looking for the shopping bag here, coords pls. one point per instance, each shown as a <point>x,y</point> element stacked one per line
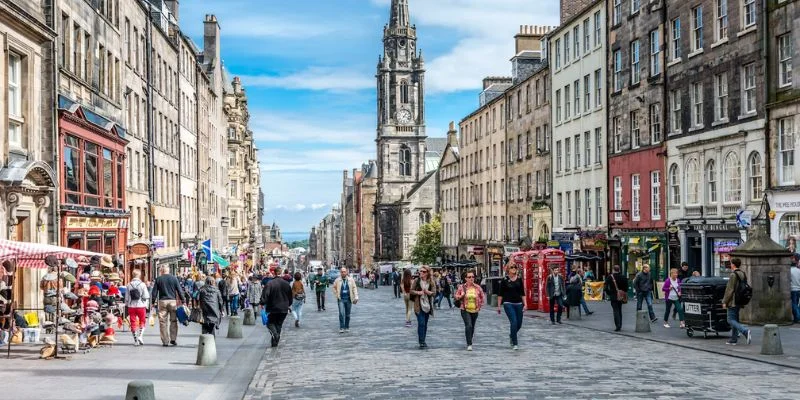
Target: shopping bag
<point>264,317</point>
<point>152,320</point>
<point>183,314</point>
<point>196,315</point>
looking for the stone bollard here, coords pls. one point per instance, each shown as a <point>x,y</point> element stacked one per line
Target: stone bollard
<point>235,327</point>
<point>249,318</point>
<point>771,342</point>
<point>642,321</point>
<point>140,390</point>
<point>493,300</point>
<point>206,350</point>
<point>574,313</point>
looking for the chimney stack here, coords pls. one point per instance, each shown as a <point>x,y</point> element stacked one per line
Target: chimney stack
<point>452,135</point>
<point>211,40</point>
<point>173,7</point>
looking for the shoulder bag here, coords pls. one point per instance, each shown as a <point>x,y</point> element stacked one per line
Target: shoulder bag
<point>622,296</point>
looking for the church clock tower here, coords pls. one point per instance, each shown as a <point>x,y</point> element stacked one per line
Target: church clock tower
<point>400,126</point>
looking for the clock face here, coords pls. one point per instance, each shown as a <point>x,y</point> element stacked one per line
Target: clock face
<point>404,117</point>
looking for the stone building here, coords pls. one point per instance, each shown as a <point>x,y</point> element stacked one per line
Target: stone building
<point>212,152</point>
<point>715,134</point>
<point>243,172</point>
<point>527,142</point>
<point>579,176</point>
<point>449,189</point>
<point>636,115</point>
<point>189,127</point>
<point>783,107</point>
<point>348,202</point>
<point>482,178</point>
<point>312,244</point>
<point>400,131</point>
<point>366,189</point>
<point>27,176</point>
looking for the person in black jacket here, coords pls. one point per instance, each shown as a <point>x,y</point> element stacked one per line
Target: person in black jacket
<point>614,283</point>
<point>276,298</point>
<point>556,290</point>
<point>511,299</point>
<point>166,292</point>
<point>222,286</point>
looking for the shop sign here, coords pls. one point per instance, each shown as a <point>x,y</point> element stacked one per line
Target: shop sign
<point>158,242</point>
<point>495,250</point>
<point>91,223</point>
<point>672,236</point>
<point>788,206</point>
<point>553,244</point>
<point>744,218</point>
<point>593,244</point>
<point>140,249</point>
<point>725,245</point>
<point>510,249</point>
<point>714,227</point>
<point>475,250</point>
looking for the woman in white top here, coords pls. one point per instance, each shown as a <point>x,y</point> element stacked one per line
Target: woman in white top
<point>672,294</point>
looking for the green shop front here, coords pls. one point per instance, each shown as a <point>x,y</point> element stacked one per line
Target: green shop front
<point>637,248</point>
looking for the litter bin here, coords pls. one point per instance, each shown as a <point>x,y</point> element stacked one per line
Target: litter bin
<point>702,302</point>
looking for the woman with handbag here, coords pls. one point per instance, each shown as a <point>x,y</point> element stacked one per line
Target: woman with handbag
<point>211,305</point>
<point>672,294</point>
<point>299,296</point>
<point>616,288</point>
<point>423,292</point>
<point>510,298</point>
<point>471,298</point>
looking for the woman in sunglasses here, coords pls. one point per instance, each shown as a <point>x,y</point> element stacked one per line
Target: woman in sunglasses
<point>471,297</point>
<point>512,291</point>
<point>424,291</point>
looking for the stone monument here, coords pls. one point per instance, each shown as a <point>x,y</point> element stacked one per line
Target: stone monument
<point>766,265</point>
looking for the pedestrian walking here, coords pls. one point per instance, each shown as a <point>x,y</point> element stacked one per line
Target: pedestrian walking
<point>672,294</point>
<point>346,292</point>
<point>320,284</point>
<point>299,298</point>
<point>556,291</point>
<point>510,297</point>
<point>408,300</point>
<point>616,289</point>
<point>396,283</point>
<point>733,302</point>
<point>167,292</point>
<point>276,298</point>
<point>233,283</point>
<point>254,293</point>
<point>643,287</point>
<point>222,285</point>
<point>574,291</point>
<point>211,306</point>
<point>137,300</point>
<point>444,291</point>
<point>684,273</point>
<point>795,286</point>
<point>580,281</point>
<point>423,291</point>
<point>471,298</point>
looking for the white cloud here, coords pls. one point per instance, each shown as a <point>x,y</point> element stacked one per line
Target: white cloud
<point>318,206</point>
<point>316,78</point>
<point>305,128</point>
<point>283,27</point>
<point>296,208</point>
<point>315,159</point>
<point>486,30</point>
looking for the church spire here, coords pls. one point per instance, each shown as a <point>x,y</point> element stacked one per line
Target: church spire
<point>400,17</point>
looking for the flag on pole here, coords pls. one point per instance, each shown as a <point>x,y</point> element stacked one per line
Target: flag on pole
<point>206,247</point>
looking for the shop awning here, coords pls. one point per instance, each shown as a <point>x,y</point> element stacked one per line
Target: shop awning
<point>32,255</point>
<point>583,257</point>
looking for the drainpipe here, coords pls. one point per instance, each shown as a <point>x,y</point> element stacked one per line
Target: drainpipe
<point>765,44</point>
<point>150,148</point>
<point>664,122</point>
<point>56,201</point>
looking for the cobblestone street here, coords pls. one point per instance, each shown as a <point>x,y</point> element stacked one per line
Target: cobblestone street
<point>379,358</point>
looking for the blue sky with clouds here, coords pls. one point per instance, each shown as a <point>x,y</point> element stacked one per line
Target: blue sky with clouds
<point>308,67</point>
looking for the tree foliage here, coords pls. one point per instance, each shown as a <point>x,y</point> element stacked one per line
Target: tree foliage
<point>429,242</point>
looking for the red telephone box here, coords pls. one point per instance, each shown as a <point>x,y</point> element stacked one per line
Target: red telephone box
<point>526,264</point>
<point>546,260</point>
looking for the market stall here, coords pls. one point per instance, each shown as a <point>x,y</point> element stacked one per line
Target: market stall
<point>34,255</point>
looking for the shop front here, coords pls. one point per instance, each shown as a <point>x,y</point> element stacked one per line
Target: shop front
<point>785,219</point>
<point>139,256</point>
<point>643,247</point>
<point>707,247</point>
<point>96,235</point>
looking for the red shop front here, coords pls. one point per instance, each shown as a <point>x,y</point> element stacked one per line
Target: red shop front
<point>93,212</point>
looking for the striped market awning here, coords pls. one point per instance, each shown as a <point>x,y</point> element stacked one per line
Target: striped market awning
<point>32,255</point>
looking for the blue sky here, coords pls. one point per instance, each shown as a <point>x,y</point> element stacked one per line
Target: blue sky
<point>308,67</point>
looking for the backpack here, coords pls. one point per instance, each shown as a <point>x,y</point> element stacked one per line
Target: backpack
<point>744,292</point>
<point>135,294</point>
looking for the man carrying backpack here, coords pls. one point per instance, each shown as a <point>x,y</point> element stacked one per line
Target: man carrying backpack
<point>137,297</point>
<point>737,295</point>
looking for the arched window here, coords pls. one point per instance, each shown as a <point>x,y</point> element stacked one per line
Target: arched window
<point>732,178</point>
<point>545,232</point>
<point>692,182</point>
<point>711,178</point>
<point>674,185</point>
<point>424,218</point>
<point>404,92</point>
<point>756,177</point>
<point>405,161</point>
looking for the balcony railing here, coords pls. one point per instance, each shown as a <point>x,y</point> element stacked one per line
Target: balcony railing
<point>694,211</point>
